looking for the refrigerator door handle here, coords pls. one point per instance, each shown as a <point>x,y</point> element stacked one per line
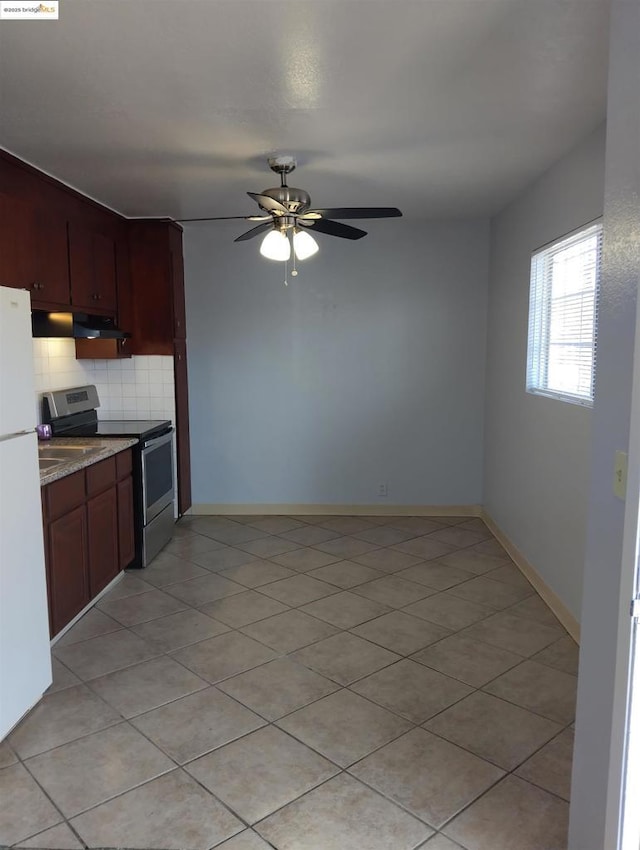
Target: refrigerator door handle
<point>17,434</point>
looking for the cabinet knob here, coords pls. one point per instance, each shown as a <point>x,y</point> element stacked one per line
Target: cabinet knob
<point>37,285</point>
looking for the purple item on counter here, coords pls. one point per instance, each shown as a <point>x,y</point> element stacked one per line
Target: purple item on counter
<point>44,432</point>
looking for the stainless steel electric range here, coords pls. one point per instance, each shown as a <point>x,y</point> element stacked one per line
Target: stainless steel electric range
<point>73,413</point>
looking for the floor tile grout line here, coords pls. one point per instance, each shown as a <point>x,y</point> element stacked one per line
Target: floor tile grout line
<point>522,659</point>
<point>251,824</point>
<point>481,620</point>
<point>342,772</point>
<point>488,790</point>
<point>504,699</point>
<point>507,771</point>
<point>42,832</point>
<point>117,669</point>
<point>530,756</point>
<point>419,817</point>
<point>397,713</point>
<point>46,794</point>
<point>109,799</point>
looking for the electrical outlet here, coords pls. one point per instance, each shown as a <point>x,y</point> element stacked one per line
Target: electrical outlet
<point>620,475</point>
<point>383,489</point>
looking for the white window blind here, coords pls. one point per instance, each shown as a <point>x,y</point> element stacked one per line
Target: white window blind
<point>563,310</point>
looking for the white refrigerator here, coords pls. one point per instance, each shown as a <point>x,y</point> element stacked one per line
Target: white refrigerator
<point>25,658</point>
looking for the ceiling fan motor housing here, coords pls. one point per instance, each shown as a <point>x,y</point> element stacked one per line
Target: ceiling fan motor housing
<point>295,200</point>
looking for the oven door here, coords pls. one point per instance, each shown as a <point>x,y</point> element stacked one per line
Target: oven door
<point>157,475</point>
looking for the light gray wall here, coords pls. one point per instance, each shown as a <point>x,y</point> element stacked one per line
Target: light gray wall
<point>537,450</point>
<point>367,368</point>
<point>606,624</point>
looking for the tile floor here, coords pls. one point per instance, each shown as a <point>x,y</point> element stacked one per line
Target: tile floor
<point>304,683</point>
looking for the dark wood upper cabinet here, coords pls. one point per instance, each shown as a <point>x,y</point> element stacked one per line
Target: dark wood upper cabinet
<point>92,265</point>
<point>51,289</point>
<point>177,284</point>
<point>157,286</point>
<point>17,242</point>
<point>104,271</point>
<point>34,252</point>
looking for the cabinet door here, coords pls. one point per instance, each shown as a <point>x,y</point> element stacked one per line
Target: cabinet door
<point>102,515</point>
<point>80,266</point>
<point>51,287</point>
<point>104,271</point>
<point>92,267</point>
<point>68,573</point>
<point>126,540</point>
<point>177,283</point>
<point>17,242</point>
<point>182,426</point>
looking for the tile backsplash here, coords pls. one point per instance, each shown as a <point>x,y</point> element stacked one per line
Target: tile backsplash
<point>135,388</point>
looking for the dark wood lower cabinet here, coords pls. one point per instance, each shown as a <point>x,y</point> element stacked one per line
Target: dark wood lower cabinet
<point>102,519</point>
<point>68,549</point>
<point>89,535</point>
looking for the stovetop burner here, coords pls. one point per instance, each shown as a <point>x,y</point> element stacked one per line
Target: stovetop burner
<point>143,428</point>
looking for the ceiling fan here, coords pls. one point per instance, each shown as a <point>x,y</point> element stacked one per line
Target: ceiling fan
<point>285,216</point>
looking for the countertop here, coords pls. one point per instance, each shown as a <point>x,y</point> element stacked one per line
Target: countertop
<point>105,448</point>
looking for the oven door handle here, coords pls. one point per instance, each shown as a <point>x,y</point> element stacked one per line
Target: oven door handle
<point>158,441</point>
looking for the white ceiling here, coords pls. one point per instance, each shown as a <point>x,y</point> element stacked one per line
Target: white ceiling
<point>170,107</point>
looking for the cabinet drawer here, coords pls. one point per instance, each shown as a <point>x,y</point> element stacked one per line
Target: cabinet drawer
<point>64,495</point>
<point>124,464</point>
<point>101,475</point>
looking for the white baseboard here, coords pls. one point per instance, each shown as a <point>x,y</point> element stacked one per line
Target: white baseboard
<point>336,510</point>
<point>530,573</point>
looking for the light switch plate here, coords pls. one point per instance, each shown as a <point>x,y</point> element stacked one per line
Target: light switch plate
<point>620,475</point>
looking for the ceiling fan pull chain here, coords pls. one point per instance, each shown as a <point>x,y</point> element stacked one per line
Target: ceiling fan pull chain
<point>294,271</point>
<point>286,266</point>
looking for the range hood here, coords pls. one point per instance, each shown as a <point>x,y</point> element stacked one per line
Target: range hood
<point>75,326</point>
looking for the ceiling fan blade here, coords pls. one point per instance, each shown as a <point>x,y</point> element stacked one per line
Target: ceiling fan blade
<point>354,212</point>
<point>255,231</point>
<point>333,228</point>
<point>268,203</point>
<point>226,218</point>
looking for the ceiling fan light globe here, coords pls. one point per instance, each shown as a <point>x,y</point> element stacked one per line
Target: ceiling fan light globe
<point>304,245</point>
<point>275,246</point>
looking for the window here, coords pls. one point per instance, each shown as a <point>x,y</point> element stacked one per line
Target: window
<point>565,280</point>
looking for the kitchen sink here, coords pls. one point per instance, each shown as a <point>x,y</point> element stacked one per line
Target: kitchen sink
<point>47,463</point>
<point>51,456</point>
<point>67,452</point>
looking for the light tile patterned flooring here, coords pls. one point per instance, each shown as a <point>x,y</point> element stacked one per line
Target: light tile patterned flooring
<point>304,683</point>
